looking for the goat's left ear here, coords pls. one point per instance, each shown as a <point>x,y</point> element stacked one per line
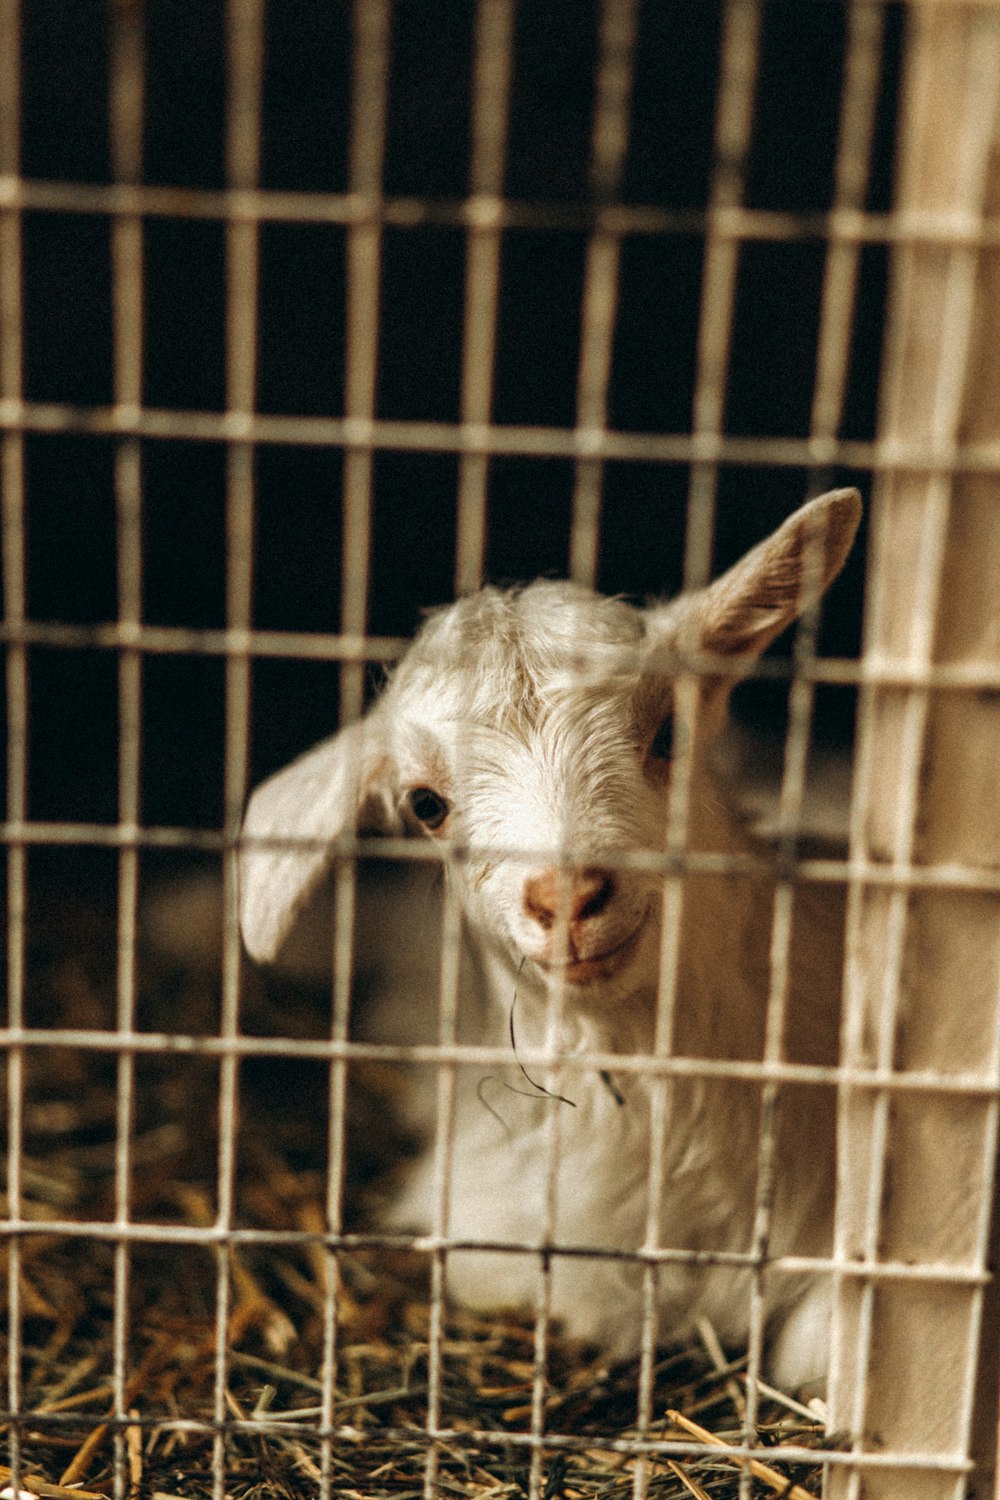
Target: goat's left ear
<point>344,785</point>
<point>759,597</point>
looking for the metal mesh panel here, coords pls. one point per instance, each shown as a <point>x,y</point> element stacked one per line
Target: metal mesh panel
<point>50,821</point>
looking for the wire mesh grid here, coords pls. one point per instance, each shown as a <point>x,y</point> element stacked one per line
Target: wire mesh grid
<point>608,219</point>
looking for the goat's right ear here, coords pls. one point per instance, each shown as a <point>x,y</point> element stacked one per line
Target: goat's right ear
<point>744,610</point>
<point>345,784</point>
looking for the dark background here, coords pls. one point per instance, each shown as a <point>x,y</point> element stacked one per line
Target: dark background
<point>68,352</point>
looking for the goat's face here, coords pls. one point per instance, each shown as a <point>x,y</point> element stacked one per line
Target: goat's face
<point>536,734</point>
<point>531,733</point>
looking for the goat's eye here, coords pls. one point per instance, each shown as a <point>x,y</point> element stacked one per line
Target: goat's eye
<point>429,807</point>
<point>662,747</point>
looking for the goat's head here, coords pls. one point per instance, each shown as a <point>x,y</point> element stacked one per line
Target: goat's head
<point>538,731</point>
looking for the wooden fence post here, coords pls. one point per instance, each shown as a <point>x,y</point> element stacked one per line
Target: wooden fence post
<point>922,988</point>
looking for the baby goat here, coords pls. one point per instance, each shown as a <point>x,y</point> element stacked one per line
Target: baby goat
<point>535,734</point>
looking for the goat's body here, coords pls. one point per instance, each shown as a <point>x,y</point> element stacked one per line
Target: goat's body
<point>538,736</point>
<point>570,1167</point>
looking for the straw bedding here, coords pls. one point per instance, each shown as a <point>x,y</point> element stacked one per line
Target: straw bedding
<point>494,1387</point>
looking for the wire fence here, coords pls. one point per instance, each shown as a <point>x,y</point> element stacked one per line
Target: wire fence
<point>872,1082</point>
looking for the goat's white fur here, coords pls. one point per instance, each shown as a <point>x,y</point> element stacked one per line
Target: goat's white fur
<point>533,712</point>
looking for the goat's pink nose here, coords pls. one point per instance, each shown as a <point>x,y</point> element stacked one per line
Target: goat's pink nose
<point>576,895</point>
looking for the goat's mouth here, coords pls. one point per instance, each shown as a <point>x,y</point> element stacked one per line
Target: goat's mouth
<point>595,966</point>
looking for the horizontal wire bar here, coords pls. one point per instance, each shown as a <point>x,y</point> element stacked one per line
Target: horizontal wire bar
<point>942,877</point>
<point>878,456</point>
<point>477,1439</point>
<point>965,1084</point>
<point>180,640</point>
<point>321,646</point>
<point>486,211</point>
<point>210,1236</point>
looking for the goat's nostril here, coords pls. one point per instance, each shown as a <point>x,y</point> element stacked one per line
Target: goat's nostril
<point>595,891</point>
<point>543,915</point>
<point>577,897</point>
<point>541,899</point>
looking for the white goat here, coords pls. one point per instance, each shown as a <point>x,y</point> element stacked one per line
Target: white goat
<point>534,734</point>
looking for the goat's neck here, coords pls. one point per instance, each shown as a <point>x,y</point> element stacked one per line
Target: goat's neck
<point>724,956</point>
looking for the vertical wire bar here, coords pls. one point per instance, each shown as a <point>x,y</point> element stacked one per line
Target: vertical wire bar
<point>245,62</point>
<point>554,1024</point>
<point>686,695</point>
<point>609,145</point>
<point>943,411</point>
<point>451,939</point>
<point>734,118</point>
<point>343,931</point>
<point>15,604</point>
<point>543,1305</point>
<point>857,119</point>
<point>126,114</point>
<point>792,795</point>
<point>370,74</point>
<point>856,131</point>
<point>556,1011</point>
<point>490,119</point>
<point>916,709</point>
<point>609,152</point>
<point>859,98</point>
<point>609,148</point>
<point>733,125</point>
<point>364,257</point>
<point>892,957</point>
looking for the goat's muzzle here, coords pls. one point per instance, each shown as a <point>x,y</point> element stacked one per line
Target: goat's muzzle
<point>586,938</point>
<point>592,967</point>
<point>576,895</point>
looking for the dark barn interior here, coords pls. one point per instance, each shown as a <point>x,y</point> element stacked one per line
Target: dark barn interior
<point>68,349</point>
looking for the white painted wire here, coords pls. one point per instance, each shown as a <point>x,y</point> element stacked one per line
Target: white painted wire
<point>271,205</point>
<point>245,61</point>
<point>853,162</point>
<point>14,568</point>
<point>367,147</point>
<point>880,456</point>
<point>243,207</point>
<point>490,123</point>
<point>738,64</point>
<point>608,151</point>
<point>126,90</point>
<point>734,112</point>
<point>608,147</point>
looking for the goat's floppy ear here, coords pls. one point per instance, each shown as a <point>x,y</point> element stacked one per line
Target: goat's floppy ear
<point>344,783</point>
<point>744,610</point>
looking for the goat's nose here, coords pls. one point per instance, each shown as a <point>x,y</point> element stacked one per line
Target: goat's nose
<point>577,895</point>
